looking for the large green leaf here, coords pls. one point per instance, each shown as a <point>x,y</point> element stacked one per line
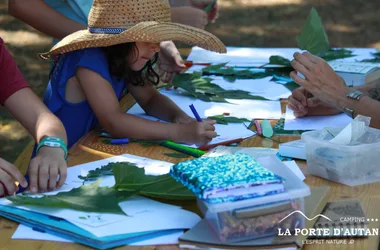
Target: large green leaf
<point>313,37</point>
<point>376,58</point>
<point>89,198</point>
<point>130,178</point>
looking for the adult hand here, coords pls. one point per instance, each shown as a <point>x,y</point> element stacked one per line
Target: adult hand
<point>9,174</point>
<point>169,62</point>
<point>45,168</point>
<point>320,79</point>
<point>303,103</point>
<point>190,16</point>
<point>202,4</point>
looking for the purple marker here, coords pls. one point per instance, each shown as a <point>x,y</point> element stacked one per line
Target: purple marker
<point>119,141</point>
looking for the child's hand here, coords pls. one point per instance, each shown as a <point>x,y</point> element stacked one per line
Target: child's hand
<point>45,168</point>
<point>198,133</point>
<point>9,174</point>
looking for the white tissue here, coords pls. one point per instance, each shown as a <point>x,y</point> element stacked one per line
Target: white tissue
<point>353,131</point>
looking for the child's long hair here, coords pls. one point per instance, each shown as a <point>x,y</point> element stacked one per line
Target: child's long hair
<point>118,65</point>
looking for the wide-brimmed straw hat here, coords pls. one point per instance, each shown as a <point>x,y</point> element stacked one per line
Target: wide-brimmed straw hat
<point>114,22</point>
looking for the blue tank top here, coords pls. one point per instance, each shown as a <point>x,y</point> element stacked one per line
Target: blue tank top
<point>77,118</point>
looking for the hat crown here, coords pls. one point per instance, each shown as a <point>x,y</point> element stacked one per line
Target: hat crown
<point>127,13</point>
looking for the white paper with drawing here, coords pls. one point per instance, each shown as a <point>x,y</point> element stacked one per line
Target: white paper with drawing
<point>314,122</point>
<point>143,214</point>
<point>244,56</point>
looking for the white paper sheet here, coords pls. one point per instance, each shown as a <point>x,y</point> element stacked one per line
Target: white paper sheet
<point>292,165</point>
<point>243,56</point>
<point>261,87</point>
<point>314,122</point>
<point>144,214</point>
<point>26,233</point>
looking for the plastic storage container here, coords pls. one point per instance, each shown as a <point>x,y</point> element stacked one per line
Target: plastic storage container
<point>352,165</point>
<point>259,217</point>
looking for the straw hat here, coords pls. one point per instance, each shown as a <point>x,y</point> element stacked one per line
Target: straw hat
<point>114,22</point>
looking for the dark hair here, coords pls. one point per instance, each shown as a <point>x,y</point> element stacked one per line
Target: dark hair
<point>118,65</point>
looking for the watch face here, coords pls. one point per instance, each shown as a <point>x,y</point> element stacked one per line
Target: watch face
<point>52,144</point>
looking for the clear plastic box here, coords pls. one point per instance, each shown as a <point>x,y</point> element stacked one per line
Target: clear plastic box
<point>354,164</point>
<point>259,217</point>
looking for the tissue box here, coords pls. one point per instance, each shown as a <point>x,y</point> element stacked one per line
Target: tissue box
<point>259,217</point>
<point>351,165</point>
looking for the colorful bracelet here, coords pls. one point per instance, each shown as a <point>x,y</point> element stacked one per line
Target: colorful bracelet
<point>52,141</point>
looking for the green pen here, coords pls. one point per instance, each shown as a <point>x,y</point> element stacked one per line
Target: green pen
<point>209,7</point>
<point>183,149</point>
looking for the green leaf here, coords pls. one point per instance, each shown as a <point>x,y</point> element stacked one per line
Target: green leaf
<point>333,54</point>
<point>222,119</point>
<point>203,89</point>
<point>89,198</point>
<point>177,155</point>
<point>376,58</point>
<point>279,60</point>
<point>130,178</point>
<point>98,172</point>
<point>313,37</point>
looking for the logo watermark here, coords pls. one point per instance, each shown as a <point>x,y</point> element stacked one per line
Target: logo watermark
<point>346,228</point>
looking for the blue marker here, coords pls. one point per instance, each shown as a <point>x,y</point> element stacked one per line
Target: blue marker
<point>120,141</point>
<point>195,113</point>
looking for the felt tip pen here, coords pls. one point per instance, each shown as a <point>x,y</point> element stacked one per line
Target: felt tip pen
<point>119,141</point>
<point>195,113</point>
<point>209,6</point>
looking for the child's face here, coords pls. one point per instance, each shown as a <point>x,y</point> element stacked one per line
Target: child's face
<point>145,52</point>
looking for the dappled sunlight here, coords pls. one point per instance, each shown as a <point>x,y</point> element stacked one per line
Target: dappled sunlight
<point>253,3</point>
<point>24,38</point>
<point>13,131</point>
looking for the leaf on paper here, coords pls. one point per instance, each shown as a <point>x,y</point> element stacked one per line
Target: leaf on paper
<point>222,119</point>
<point>313,37</point>
<point>177,155</point>
<point>130,178</point>
<point>89,198</point>
<point>376,58</point>
<point>203,89</point>
<point>279,60</point>
<point>98,172</point>
<point>333,54</point>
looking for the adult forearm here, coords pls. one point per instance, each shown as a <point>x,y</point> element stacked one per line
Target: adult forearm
<point>366,106</point>
<point>164,108</point>
<point>371,89</point>
<point>40,16</point>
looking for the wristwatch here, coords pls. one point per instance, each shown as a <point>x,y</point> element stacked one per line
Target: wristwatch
<point>354,95</point>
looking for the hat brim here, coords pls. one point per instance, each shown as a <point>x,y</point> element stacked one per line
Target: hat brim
<point>153,32</point>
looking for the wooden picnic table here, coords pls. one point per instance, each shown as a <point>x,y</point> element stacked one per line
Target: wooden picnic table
<point>89,149</point>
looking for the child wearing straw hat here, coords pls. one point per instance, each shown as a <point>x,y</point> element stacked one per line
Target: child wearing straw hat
<point>115,53</point>
<point>68,16</point>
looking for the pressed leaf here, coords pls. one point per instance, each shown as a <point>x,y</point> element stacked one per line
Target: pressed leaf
<point>98,172</point>
<point>376,58</point>
<point>177,155</point>
<point>131,178</point>
<point>203,89</point>
<point>313,37</point>
<point>279,60</point>
<point>89,198</point>
<point>222,119</point>
<point>333,54</point>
